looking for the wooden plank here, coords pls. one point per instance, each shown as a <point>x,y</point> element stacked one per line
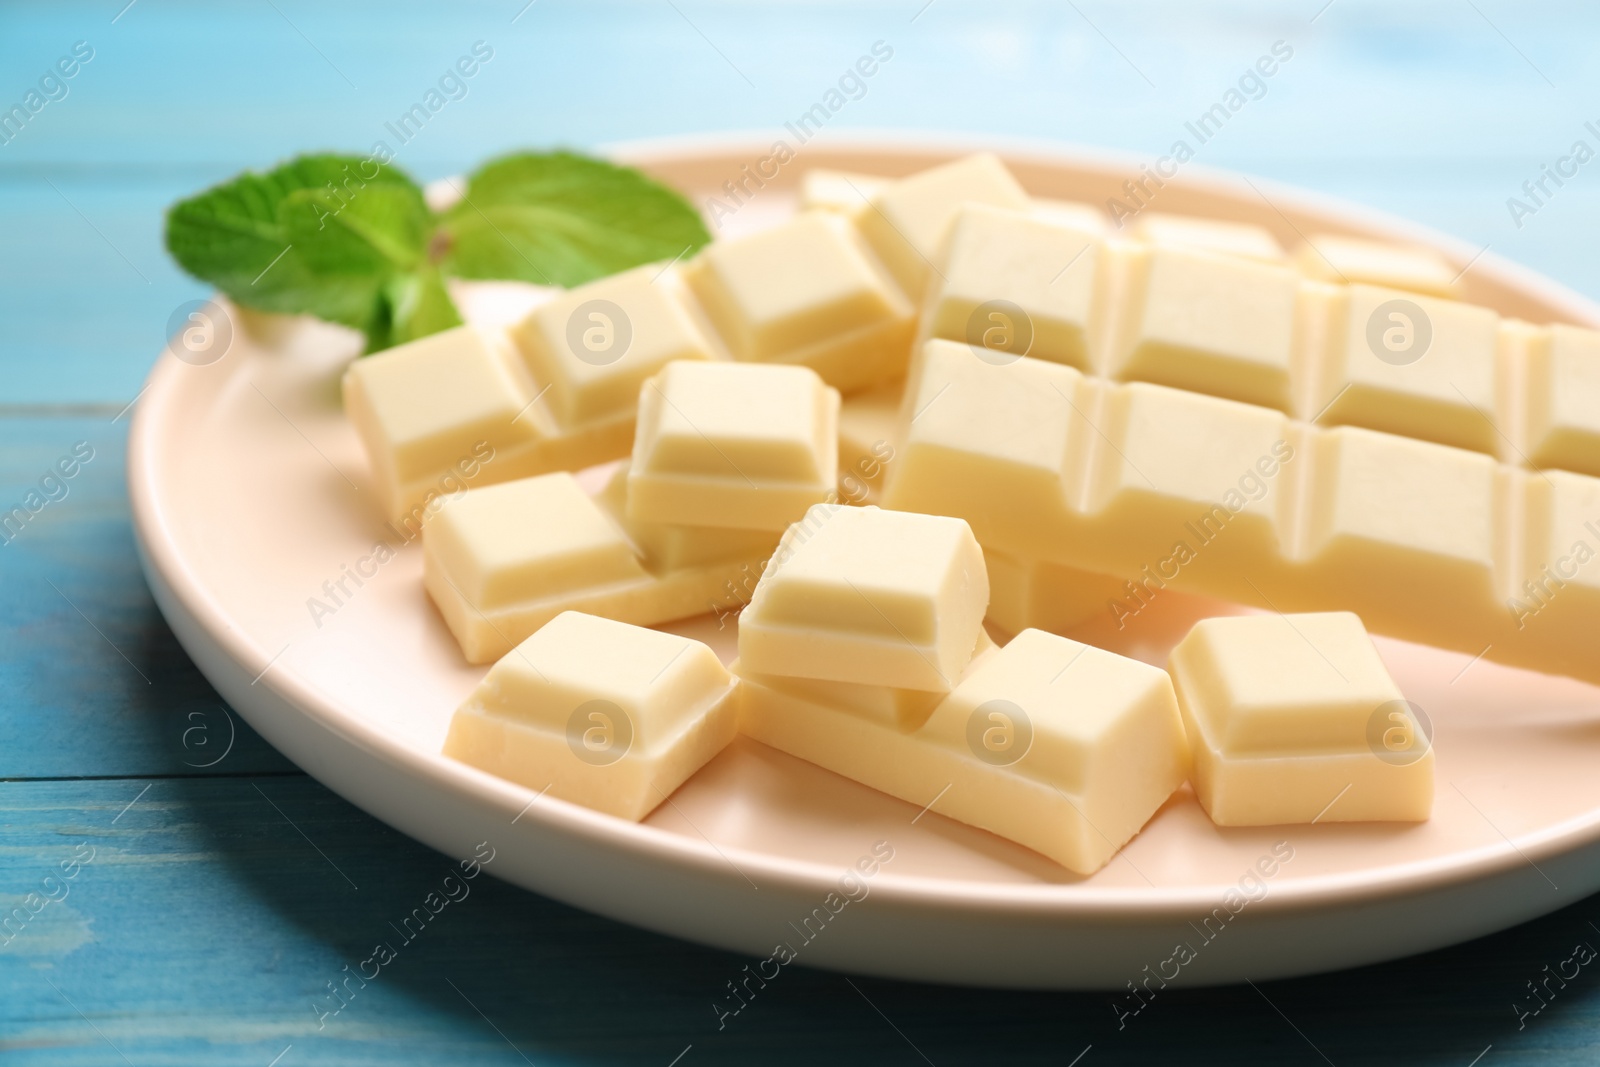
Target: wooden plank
<point>92,682</point>
<point>213,913</point>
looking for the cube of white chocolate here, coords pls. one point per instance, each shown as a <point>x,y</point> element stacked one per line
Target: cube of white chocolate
<point>1415,365</point>
<point>868,596</point>
<point>669,546</point>
<point>745,445</point>
<point>1562,389</point>
<point>502,561</point>
<point>1338,258</point>
<point>590,349</point>
<point>1241,239</point>
<point>908,220</point>
<point>1208,323</point>
<point>1100,728</point>
<point>806,291</point>
<point>1016,285</point>
<point>845,192</point>
<point>1061,747</point>
<point>1294,719</point>
<point>426,409</point>
<point>600,713</point>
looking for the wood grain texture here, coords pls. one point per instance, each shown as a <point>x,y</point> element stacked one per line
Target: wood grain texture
<point>225,893</point>
<point>92,683</point>
<point>214,912</point>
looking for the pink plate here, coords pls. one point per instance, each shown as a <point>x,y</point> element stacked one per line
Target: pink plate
<point>249,493</point>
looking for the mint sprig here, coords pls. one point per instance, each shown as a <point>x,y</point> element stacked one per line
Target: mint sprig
<point>353,241</point>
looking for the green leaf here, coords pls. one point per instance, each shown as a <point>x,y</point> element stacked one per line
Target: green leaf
<point>563,219</point>
<point>324,235</point>
<point>416,305</point>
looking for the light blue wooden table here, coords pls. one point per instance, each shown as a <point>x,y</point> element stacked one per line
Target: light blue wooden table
<point>215,891</point>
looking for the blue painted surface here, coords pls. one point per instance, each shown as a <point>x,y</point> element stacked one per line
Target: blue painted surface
<point>218,905</point>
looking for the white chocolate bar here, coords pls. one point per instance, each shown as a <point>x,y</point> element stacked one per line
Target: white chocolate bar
<point>1253,329</point>
<point>1214,324</point>
<point>868,596</point>
<point>744,445</point>
<point>1293,719</point>
<point>1061,747</point>
<point>1560,372</point>
<point>600,713</point>
<point>1374,375</point>
<point>502,561</point>
<point>998,263</point>
<point>807,291</point>
<point>1335,257</point>
<point>1166,488</point>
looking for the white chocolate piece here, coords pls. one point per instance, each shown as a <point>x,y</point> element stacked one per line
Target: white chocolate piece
<point>1335,257</point>
<point>1061,747</point>
<point>951,396</point>
<point>1411,364</point>
<point>903,709</point>
<point>869,426</point>
<point>667,547</point>
<point>1411,517</point>
<point>502,561</point>
<point>1562,383</point>
<point>428,410</point>
<point>1425,542</point>
<point>744,445</point>
<point>1556,603</point>
<point>1032,595</point>
<point>807,291</point>
<point>1293,719</point>
<point>1240,239</point>
<point>868,596</point>
<point>1070,213</point>
<point>591,349</point>
<point>908,220</point>
<point>846,192</point>
<point>600,713</point>
<point>1215,324</point>
<point>1015,284</point>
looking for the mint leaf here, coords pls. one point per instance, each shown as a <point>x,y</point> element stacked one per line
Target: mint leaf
<point>324,235</point>
<point>416,305</point>
<point>563,219</point>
